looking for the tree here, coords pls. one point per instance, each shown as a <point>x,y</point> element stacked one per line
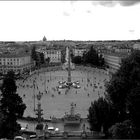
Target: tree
<point>77,60</point>
<point>11,106</point>
<point>42,60</point>
<point>63,55</point>
<point>100,115</point>
<point>101,60</point>
<point>72,56</point>
<point>124,130</point>
<point>34,55</point>
<point>48,60</point>
<point>84,57</point>
<point>123,89</point>
<point>91,57</point>
<point>133,108</point>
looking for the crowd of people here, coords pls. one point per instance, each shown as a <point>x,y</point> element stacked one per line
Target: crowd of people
<point>56,102</point>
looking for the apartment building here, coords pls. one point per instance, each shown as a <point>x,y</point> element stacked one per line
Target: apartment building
<point>113,60</point>
<point>136,46</point>
<point>113,55</point>
<point>78,51</point>
<point>18,62</point>
<point>53,54</point>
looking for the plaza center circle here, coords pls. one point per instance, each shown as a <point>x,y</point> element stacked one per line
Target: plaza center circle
<point>56,102</point>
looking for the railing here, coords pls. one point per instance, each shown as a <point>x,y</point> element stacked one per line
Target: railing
<point>74,134</point>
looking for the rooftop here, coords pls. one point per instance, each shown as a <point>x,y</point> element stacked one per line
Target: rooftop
<point>13,55</point>
<point>117,54</point>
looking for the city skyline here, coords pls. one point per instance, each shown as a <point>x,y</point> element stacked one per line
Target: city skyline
<point>69,20</point>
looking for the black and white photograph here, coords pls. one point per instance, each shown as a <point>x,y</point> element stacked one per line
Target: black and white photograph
<point>69,70</point>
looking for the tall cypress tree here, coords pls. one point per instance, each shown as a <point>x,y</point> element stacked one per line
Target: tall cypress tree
<point>11,107</point>
<point>35,56</point>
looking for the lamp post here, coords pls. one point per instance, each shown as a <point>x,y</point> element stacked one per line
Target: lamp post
<point>39,110</point>
<point>34,93</point>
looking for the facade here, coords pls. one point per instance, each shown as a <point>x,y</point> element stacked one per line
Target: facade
<point>79,51</point>
<point>113,61</point>
<point>53,54</point>
<point>136,46</point>
<point>17,62</point>
<point>114,54</point>
<point>122,48</point>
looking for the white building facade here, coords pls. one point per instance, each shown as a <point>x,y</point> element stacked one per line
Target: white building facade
<point>79,51</point>
<point>16,62</point>
<point>136,46</point>
<point>113,61</point>
<point>53,54</point>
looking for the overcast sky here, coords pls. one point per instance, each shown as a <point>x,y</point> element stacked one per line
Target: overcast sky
<point>73,20</point>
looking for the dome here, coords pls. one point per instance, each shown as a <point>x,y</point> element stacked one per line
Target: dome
<point>44,38</point>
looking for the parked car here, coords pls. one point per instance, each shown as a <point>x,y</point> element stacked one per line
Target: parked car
<point>51,130</point>
<point>19,138</point>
